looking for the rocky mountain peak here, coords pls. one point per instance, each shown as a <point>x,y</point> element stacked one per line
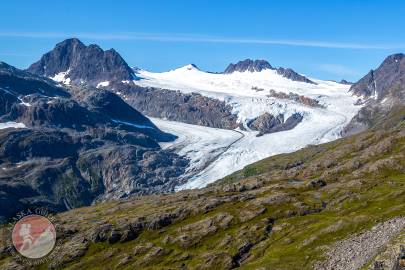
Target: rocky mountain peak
<point>259,65</point>
<point>82,64</point>
<point>377,83</point>
<point>292,75</point>
<point>248,65</point>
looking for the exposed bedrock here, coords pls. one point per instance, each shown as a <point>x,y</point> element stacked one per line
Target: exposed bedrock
<point>267,123</point>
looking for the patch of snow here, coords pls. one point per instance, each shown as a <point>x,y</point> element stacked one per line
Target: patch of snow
<point>11,125</point>
<point>103,84</point>
<point>130,124</point>
<point>126,82</point>
<point>24,103</point>
<point>61,77</point>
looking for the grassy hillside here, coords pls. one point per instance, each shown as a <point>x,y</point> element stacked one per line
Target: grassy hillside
<point>283,212</point>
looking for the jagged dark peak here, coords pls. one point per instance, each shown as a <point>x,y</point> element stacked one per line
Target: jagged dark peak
<point>82,64</point>
<point>248,65</point>
<point>259,65</point>
<point>377,83</point>
<point>292,75</point>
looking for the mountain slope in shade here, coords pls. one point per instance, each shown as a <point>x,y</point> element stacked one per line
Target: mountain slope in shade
<point>65,147</point>
<point>378,82</point>
<point>379,91</point>
<point>73,62</point>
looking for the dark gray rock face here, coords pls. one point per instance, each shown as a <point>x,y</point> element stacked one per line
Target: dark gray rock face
<point>292,75</point>
<point>248,65</point>
<point>75,150</point>
<point>176,106</point>
<point>378,82</point>
<point>259,65</point>
<point>86,64</point>
<point>267,123</point>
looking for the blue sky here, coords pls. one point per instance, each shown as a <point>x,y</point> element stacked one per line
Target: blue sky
<point>319,38</point>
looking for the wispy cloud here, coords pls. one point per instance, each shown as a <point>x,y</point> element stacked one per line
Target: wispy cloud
<point>337,69</point>
<point>203,38</point>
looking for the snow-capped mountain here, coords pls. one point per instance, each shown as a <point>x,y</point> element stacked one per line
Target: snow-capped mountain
<point>325,106</point>
<point>73,62</point>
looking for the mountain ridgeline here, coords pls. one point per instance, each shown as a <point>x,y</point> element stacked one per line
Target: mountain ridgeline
<point>260,65</point>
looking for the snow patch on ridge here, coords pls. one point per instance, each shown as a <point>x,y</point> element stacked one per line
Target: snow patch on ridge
<point>103,84</point>
<point>11,125</point>
<point>61,77</point>
<point>130,124</point>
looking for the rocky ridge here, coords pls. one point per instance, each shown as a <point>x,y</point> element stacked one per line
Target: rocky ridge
<point>259,65</point>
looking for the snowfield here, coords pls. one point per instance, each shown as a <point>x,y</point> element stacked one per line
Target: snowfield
<point>215,153</point>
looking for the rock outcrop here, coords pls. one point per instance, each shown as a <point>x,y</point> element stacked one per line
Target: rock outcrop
<point>267,123</point>
<point>176,106</point>
<point>292,75</point>
<point>248,65</point>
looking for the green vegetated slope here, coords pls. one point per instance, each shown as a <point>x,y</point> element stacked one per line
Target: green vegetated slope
<point>280,213</point>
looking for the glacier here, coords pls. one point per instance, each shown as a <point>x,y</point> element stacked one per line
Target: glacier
<point>215,153</point>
